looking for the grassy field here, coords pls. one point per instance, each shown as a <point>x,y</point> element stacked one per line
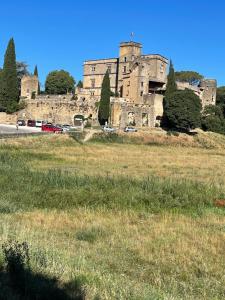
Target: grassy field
<point>126,218</point>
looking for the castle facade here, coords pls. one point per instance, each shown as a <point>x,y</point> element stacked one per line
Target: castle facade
<point>138,82</point>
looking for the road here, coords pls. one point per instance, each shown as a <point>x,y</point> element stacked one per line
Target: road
<point>11,129</point>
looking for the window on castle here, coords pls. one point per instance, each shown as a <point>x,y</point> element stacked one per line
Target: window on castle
<point>93,68</point>
<point>92,83</point>
<point>28,91</point>
<point>92,93</point>
<point>142,84</point>
<point>141,94</point>
<point>125,59</point>
<point>124,69</point>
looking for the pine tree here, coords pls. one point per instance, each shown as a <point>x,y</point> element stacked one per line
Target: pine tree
<point>9,92</point>
<point>36,74</point>
<point>104,106</point>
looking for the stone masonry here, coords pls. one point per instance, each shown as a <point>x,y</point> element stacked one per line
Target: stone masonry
<point>138,81</point>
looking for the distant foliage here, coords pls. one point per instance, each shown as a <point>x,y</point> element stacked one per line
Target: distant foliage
<point>191,77</point>
<point>59,83</point>
<point>184,110</point>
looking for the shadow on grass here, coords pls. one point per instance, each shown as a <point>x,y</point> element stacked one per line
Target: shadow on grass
<point>18,281</point>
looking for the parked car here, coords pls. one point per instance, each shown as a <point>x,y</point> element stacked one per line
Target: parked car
<point>66,127</point>
<point>21,123</point>
<point>130,129</point>
<point>109,129</point>
<point>39,123</point>
<point>31,123</point>
<point>51,128</point>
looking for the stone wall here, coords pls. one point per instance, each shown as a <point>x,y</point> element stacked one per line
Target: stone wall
<point>57,109</point>
<point>8,118</point>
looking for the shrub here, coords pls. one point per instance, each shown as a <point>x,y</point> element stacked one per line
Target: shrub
<point>17,260</point>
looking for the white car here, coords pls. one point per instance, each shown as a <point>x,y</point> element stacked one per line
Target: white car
<point>66,127</point>
<point>108,129</point>
<point>39,123</point>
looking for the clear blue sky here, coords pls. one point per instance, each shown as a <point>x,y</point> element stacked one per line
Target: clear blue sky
<point>61,34</point>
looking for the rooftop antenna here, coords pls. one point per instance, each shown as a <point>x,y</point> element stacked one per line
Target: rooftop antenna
<point>132,36</point>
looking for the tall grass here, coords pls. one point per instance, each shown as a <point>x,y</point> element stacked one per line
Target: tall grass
<point>24,189</point>
<point>120,241</point>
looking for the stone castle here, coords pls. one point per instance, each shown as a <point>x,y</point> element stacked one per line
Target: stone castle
<point>137,80</point>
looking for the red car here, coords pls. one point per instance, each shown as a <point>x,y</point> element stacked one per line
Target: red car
<point>51,128</point>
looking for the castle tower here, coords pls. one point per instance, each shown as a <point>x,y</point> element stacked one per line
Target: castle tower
<point>129,51</point>
<point>208,89</point>
<point>29,86</point>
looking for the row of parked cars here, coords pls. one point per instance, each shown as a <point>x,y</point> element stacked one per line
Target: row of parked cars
<point>45,126</point>
<point>126,129</point>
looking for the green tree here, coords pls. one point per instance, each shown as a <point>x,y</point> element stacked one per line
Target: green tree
<point>9,91</point>
<point>21,69</point>
<point>59,83</point>
<point>36,71</point>
<point>213,119</point>
<point>80,84</point>
<point>220,96</point>
<point>36,74</point>
<point>171,86</point>
<point>184,110</point>
<point>104,105</point>
<point>191,77</point>
<point>1,107</point>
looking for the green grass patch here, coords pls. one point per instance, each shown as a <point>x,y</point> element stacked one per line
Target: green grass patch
<point>24,189</point>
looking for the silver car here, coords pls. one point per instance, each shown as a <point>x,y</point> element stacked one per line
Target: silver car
<point>130,129</point>
<point>108,129</point>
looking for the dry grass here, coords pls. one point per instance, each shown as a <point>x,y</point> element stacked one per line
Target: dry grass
<point>134,254</point>
<point>127,254</point>
<point>196,163</point>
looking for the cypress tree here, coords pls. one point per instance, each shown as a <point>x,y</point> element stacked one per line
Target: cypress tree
<point>1,106</point>
<point>36,71</point>
<point>10,90</point>
<point>36,74</point>
<point>104,106</point>
<point>171,86</point>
